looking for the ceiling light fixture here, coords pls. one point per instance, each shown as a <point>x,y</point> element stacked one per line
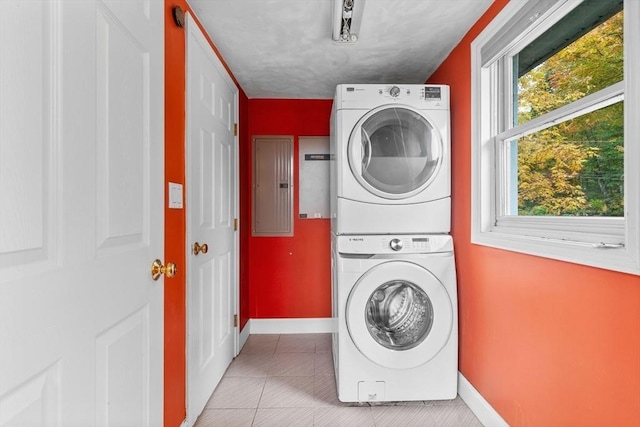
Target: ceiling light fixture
<point>347,16</point>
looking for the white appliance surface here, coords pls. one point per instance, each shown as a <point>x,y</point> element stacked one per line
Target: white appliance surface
<point>391,163</point>
<point>395,302</point>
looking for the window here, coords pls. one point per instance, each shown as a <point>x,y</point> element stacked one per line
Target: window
<point>556,132</point>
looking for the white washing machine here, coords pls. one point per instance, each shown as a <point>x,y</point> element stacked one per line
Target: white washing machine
<point>395,303</point>
<point>391,163</point>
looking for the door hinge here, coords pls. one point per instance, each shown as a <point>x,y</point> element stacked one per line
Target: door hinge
<point>235,224</point>
<point>235,320</point>
<point>235,129</point>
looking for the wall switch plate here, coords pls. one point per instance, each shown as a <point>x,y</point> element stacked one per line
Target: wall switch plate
<point>175,196</point>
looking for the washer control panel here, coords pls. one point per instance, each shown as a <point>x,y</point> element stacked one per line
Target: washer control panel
<point>394,244</point>
<point>410,244</point>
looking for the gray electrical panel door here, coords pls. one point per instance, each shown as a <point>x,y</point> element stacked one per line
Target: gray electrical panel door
<point>273,186</point>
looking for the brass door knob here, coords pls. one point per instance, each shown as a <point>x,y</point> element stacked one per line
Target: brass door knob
<point>198,248</point>
<point>157,269</point>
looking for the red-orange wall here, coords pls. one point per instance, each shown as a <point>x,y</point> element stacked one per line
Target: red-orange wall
<point>546,343</point>
<point>289,276</point>
<point>175,219</point>
<point>175,224</point>
<point>245,209</point>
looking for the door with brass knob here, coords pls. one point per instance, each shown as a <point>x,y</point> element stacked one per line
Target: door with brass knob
<point>97,358</point>
<point>157,269</point>
<point>211,177</point>
<point>200,248</point>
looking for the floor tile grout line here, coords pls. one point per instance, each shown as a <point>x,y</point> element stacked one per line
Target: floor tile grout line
<point>255,414</point>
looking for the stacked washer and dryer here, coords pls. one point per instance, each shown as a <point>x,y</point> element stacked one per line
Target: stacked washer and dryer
<point>394,290</point>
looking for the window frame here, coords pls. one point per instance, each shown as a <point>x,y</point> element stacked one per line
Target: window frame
<point>604,242</point>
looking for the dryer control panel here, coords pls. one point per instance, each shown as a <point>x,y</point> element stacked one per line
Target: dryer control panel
<point>399,244</point>
<point>432,94</point>
<point>368,96</point>
<point>425,93</point>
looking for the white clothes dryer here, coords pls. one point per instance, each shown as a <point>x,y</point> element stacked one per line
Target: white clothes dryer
<point>391,163</point>
<point>395,304</point>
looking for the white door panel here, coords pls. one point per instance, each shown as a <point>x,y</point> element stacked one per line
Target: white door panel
<point>81,220</point>
<point>211,205</point>
<point>29,206</point>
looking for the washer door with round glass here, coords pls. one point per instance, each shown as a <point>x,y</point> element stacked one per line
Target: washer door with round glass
<point>395,152</point>
<point>399,315</point>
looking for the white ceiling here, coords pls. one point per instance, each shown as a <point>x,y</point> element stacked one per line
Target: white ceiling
<point>284,49</point>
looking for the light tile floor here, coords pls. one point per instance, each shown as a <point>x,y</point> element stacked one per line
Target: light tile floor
<point>288,380</point>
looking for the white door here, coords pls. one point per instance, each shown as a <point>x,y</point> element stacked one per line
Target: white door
<point>81,212</point>
<point>211,208</point>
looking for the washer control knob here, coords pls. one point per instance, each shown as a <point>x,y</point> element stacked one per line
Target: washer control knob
<point>394,91</point>
<point>395,244</point>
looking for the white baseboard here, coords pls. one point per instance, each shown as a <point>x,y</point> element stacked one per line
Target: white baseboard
<point>291,326</point>
<point>478,405</point>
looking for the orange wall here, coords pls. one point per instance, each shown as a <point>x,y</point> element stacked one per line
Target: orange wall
<point>289,276</point>
<point>175,219</point>
<point>546,343</point>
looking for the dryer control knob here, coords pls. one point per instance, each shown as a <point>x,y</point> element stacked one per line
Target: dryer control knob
<point>395,244</point>
<point>394,91</point>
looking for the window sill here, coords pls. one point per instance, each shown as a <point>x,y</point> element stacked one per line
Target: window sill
<point>620,259</point>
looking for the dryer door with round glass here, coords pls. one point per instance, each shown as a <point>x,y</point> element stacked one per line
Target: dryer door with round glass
<point>399,315</point>
<point>395,152</point>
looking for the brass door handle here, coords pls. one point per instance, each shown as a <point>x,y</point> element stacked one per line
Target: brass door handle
<point>198,248</point>
<point>157,269</point>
